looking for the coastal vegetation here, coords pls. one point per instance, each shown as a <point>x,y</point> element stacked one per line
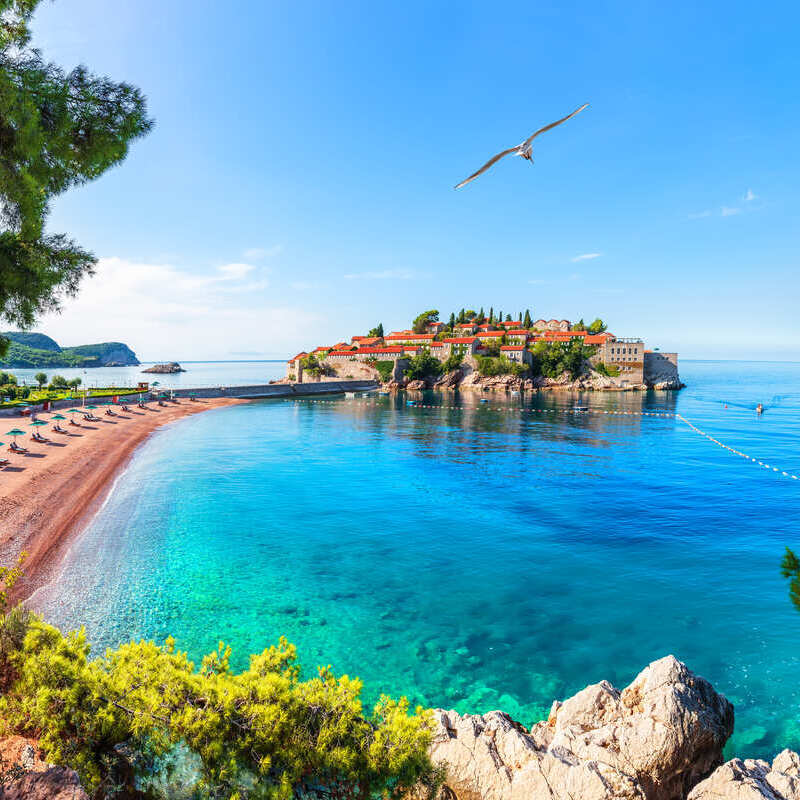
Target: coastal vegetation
<point>58,130</point>
<point>264,732</point>
<point>37,351</point>
<point>790,569</point>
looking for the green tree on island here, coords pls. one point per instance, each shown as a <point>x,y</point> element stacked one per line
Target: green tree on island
<point>598,326</point>
<point>421,322</point>
<point>376,331</point>
<point>527,321</point>
<point>57,130</point>
<point>40,378</point>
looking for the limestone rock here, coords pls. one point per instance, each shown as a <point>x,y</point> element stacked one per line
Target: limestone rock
<point>449,380</point>
<point>55,783</point>
<point>752,780</point>
<point>651,741</point>
<point>415,385</point>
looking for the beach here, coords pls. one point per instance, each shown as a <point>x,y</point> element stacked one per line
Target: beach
<point>47,495</point>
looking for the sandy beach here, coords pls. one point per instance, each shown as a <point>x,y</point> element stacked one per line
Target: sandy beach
<point>47,495</point>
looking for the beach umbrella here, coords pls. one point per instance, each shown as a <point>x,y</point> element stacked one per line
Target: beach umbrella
<point>57,416</point>
<point>92,407</point>
<point>38,422</point>
<point>16,432</point>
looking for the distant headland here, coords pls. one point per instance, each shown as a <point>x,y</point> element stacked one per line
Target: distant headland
<point>38,351</point>
<point>480,351</point>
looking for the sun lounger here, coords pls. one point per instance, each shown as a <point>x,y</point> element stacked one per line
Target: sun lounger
<point>15,448</point>
<point>39,438</point>
<point>110,413</point>
<point>4,462</point>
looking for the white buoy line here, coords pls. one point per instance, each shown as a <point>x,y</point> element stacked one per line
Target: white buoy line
<point>508,409</point>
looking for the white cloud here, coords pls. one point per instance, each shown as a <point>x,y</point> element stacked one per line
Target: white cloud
<point>236,271</point>
<point>728,211</point>
<point>749,196</point>
<point>164,312</point>
<point>383,275</point>
<point>258,253</point>
<point>585,257</point>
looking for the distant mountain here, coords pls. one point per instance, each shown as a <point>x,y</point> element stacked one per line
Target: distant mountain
<point>37,351</point>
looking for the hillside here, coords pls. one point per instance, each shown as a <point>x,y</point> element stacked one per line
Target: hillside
<point>37,351</point>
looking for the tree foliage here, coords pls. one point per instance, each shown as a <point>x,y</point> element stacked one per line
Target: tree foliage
<point>500,365</point>
<point>264,732</point>
<point>598,326</point>
<point>424,319</point>
<point>58,130</point>
<point>423,365</point>
<point>552,359</point>
<point>376,331</point>
<point>790,568</point>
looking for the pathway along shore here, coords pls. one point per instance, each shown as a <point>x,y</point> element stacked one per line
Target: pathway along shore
<point>49,494</point>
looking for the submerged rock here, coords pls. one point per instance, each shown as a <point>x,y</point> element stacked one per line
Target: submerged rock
<point>653,740</point>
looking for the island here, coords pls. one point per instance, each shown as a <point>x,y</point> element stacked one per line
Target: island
<point>169,368</point>
<point>474,350</point>
<point>30,350</point>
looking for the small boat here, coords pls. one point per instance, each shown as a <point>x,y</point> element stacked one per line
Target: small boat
<point>350,395</point>
<point>580,408</point>
<point>484,400</point>
<point>383,394</point>
<point>411,402</point>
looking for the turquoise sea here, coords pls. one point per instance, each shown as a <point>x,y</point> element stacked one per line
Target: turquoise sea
<point>470,558</point>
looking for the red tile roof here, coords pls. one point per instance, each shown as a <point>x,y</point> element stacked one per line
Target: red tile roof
<point>490,334</point>
<point>424,336</point>
<point>512,347</point>
<point>516,324</point>
<point>375,350</point>
<point>461,340</point>
<point>436,344</point>
<point>298,356</point>
<point>597,338</point>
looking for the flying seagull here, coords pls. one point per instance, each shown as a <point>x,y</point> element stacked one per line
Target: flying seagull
<point>525,149</point>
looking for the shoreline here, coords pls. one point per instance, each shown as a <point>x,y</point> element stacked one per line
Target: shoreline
<point>49,495</point>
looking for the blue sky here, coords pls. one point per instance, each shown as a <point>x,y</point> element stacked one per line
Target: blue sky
<point>297,187</point>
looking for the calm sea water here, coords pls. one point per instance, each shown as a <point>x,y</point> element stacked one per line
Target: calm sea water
<point>469,559</point>
<point>198,373</point>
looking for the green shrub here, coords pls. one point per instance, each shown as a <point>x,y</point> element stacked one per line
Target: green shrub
<point>423,366</point>
<point>384,368</point>
<point>609,370</point>
<point>265,728</point>
<point>551,359</point>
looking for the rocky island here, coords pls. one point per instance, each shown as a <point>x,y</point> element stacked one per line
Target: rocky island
<point>169,368</point>
<point>476,351</point>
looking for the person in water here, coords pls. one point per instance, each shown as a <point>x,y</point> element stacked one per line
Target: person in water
<point>759,409</point>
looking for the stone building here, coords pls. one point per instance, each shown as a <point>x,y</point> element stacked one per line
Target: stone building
<point>625,353</point>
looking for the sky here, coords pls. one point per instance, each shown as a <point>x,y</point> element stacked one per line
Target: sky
<point>298,185</point>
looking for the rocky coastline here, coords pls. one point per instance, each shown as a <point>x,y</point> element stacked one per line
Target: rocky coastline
<point>660,738</point>
<point>588,381</point>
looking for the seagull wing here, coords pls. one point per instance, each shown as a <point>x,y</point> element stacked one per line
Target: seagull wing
<point>553,124</point>
<point>492,160</point>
